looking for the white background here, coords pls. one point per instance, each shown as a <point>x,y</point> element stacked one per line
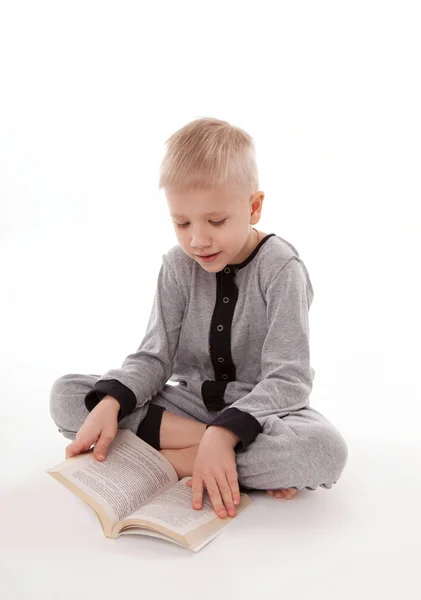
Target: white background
<point>330,92</point>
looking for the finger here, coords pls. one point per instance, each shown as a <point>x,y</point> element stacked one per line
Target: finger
<point>101,446</point>
<point>189,483</point>
<point>226,493</point>
<point>74,448</point>
<point>232,478</point>
<point>215,497</point>
<point>197,491</point>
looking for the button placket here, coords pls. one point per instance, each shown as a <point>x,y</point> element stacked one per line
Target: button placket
<point>223,312</point>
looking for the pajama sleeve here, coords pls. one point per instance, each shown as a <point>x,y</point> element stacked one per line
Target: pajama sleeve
<point>286,375</point>
<point>144,372</point>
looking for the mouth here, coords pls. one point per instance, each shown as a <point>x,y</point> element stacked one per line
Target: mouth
<point>207,257</point>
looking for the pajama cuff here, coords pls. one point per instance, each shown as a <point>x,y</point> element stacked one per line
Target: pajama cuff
<point>243,424</point>
<point>114,388</point>
<point>150,427</point>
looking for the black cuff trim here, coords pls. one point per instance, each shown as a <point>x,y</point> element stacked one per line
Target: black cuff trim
<point>243,424</point>
<point>149,429</point>
<point>114,388</point>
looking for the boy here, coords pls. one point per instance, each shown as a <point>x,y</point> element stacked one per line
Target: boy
<point>229,324</point>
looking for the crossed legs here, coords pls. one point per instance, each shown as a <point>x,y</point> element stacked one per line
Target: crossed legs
<point>179,441</point>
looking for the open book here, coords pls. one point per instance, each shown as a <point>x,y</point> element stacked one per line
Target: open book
<point>136,490</point>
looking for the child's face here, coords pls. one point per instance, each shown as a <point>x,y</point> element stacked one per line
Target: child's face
<point>196,214</point>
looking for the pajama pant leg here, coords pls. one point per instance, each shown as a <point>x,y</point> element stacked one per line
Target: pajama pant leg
<point>67,405</point>
<point>68,410</point>
<point>300,450</point>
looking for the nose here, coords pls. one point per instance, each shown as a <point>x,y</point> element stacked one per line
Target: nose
<point>200,239</point>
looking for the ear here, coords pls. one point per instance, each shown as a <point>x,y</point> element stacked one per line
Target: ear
<point>256,206</point>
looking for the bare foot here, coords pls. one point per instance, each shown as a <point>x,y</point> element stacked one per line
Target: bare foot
<point>282,493</point>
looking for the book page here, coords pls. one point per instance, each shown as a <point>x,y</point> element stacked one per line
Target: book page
<point>132,473</point>
<point>142,531</point>
<point>136,530</point>
<point>173,510</point>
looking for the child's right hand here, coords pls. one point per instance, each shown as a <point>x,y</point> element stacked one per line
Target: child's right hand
<point>100,426</point>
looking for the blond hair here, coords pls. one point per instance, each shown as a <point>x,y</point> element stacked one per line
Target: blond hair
<point>208,153</point>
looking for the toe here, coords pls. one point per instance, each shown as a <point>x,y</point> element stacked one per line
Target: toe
<point>289,493</point>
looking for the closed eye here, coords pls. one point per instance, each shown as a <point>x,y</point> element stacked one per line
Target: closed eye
<point>215,223</point>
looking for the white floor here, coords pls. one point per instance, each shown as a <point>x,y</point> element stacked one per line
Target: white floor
<point>360,539</point>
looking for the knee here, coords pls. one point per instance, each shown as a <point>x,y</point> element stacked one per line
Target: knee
<point>341,448</point>
<point>332,450</point>
<point>58,393</point>
<point>314,459</point>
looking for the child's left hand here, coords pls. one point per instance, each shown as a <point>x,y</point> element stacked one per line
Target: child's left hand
<point>215,467</point>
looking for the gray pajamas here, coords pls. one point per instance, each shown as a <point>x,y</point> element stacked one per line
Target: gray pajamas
<point>236,343</point>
